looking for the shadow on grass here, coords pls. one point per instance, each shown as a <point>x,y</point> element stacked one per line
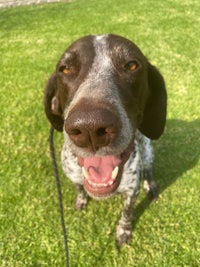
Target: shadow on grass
<point>176,153</point>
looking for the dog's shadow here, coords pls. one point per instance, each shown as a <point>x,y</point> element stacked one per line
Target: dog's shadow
<point>175,153</point>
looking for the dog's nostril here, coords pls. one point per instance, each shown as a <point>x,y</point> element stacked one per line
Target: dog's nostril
<point>74,132</point>
<point>101,132</point>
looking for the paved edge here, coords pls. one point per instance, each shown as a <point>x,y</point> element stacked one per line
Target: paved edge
<point>14,3</point>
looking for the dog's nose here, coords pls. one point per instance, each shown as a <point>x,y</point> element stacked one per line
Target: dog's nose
<point>92,128</point>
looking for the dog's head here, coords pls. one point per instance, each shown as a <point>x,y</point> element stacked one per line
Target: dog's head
<point>104,89</point>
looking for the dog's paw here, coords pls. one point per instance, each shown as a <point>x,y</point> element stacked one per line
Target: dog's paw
<point>124,235</point>
<point>151,189</point>
<point>81,201</point>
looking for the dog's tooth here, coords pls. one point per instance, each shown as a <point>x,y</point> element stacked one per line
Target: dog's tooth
<point>99,185</point>
<point>94,185</point>
<point>115,172</point>
<point>111,182</point>
<point>85,173</point>
<point>90,182</point>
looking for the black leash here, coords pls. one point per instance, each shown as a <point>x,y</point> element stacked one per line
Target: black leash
<point>60,201</point>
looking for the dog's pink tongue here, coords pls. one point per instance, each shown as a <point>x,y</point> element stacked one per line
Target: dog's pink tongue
<point>100,168</point>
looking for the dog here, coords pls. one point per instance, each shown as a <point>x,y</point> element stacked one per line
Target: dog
<point>109,101</point>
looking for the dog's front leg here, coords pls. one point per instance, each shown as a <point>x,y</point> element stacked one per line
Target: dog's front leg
<point>124,228</point>
<point>81,197</point>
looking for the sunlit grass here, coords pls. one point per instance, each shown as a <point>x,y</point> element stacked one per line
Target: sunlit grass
<point>165,233</point>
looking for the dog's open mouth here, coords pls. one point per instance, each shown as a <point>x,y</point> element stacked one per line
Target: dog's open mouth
<point>102,175</point>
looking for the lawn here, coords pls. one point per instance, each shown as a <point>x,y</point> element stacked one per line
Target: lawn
<point>166,233</point>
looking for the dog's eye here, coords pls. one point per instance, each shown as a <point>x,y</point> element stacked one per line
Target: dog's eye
<point>132,65</point>
<point>65,69</point>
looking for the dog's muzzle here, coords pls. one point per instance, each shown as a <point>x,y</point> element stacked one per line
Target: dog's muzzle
<point>91,129</point>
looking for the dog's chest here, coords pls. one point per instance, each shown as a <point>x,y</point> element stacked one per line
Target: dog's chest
<point>131,173</point>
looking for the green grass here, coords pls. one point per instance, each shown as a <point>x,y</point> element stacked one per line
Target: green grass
<point>166,234</point>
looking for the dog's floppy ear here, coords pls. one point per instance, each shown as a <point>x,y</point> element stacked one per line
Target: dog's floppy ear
<point>52,105</point>
<point>154,116</point>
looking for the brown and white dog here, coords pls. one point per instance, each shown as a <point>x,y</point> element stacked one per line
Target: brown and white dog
<point>109,101</point>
